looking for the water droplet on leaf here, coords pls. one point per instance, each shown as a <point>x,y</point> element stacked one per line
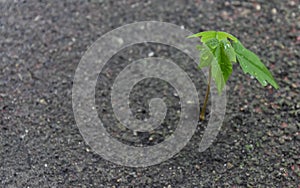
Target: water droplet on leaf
<point>264,83</point>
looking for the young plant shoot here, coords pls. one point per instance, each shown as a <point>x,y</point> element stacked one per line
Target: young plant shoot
<point>218,51</point>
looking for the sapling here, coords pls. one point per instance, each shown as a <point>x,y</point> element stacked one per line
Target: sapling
<point>218,51</point>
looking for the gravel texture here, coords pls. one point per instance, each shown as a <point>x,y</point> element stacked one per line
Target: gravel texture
<point>42,43</point>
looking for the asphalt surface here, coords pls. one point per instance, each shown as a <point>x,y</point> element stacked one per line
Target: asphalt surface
<point>42,43</point>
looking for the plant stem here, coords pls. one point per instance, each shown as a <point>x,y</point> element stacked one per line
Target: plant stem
<point>202,115</point>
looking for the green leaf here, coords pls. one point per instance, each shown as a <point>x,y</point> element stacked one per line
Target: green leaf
<point>207,35</point>
<point>212,43</point>
<point>206,56</point>
<point>217,75</point>
<point>229,51</point>
<point>209,59</point>
<point>251,64</point>
<point>222,35</point>
<point>223,60</point>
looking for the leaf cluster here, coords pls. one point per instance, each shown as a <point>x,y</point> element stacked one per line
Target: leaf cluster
<point>219,50</point>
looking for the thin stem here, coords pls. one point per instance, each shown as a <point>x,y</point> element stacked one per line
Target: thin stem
<point>202,115</point>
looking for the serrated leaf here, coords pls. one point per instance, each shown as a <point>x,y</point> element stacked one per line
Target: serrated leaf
<point>229,51</point>
<point>208,59</point>
<point>212,43</point>
<point>217,75</point>
<point>223,35</point>
<point>206,56</point>
<point>251,64</point>
<point>223,60</point>
<point>207,35</point>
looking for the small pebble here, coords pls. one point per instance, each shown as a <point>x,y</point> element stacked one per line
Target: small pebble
<point>292,3</point>
<point>274,11</point>
<point>257,7</point>
<point>22,136</point>
<point>229,165</point>
<point>37,18</point>
<point>43,101</point>
<point>150,54</point>
<point>293,14</point>
<point>119,40</point>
